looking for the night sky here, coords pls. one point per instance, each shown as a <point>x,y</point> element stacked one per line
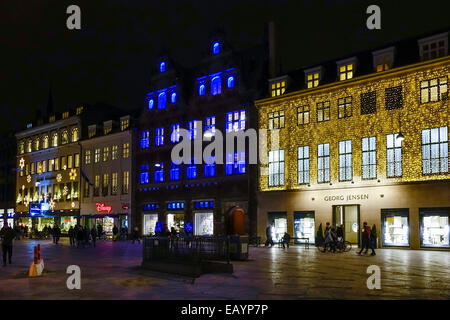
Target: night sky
<point>109,60</point>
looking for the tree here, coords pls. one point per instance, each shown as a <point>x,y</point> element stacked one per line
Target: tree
<point>319,236</point>
<point>374,235</point>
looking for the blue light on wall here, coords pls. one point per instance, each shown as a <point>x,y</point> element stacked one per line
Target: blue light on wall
<point>216,47</point>
<point>175,205</point>
<point>158,227</point>
<point>151,102</point>
<point>204,204</point>
<point>230,82</point>
<point>201,90</point>
<point>188,227</point>
<point>215,86</point>
<point>162,67</point>
<point>173,98</point>
<point>162,100</point>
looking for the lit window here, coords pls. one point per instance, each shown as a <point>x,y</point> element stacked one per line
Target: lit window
<point>278,88</point>
<point>323,163</point>
<point>435,150</point>
<point>144,174</point>
<point>162,100</point>
<point>191,170</point>
<point>65,115</point>
<point>215,86</point>
<point>97,155</point>
<point>145,139</point>
<point>230,82</point>
<point>312,80</point>
<point>210,167</point>
<point>64,137</point>
<point>75,135</point>
<point>346,72</point>
<point>114,183</point>
<point>30,146</point>
<point>382,67</point>
<point>344,107</point>
<point>55,140</point>
<point>126,150</point>
<point>394,156</point>
<point>369,158</point>
<point>210,125</point>
<point>276,120</point>
<point>192,128</point>
<point>434,90</point>
<point>345,160</point>
<point>323,111</point>
<point>235,163</point>
<point>201,90</point>
<point>96,186</point>
<point>175,134</point>
<point>175,172</point>
<point>105,154</point>
<point>162,67</point>
<point>124,124</point>
<point>22,147</point>
<point>87,157</point>
<point>37,144</point>
<point>302,115</point>
<point>150,104</point>
<point>235,121</point>
<point>70,161</point>
<point>51,119</point>
<point>79,110</point>
<point>276,168</point>
<point>159,172</point>
<point>115,152</point>
<point>173,97</point>
<point>105,186</point>
<point>216,47</point>
<point>92,131</point>
<point>126,182</point>
<point>159,137</point>
<point>303,165</point>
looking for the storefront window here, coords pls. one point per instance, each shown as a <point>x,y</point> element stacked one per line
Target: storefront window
<point>304,227</point>
<point>395,228</point>
<point>434,228</point>
<point>108,225</point>
<point>279,225</point>
<point>45,221</point>
<point>176,221</point>
<point>150,223</point>
<point>67,222</point>
<point>204,224</point>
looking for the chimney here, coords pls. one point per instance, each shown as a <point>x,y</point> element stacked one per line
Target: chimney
<point>272,50</point>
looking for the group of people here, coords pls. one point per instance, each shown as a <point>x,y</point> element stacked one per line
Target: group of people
<point>7,234</point>
<point>82,236</point>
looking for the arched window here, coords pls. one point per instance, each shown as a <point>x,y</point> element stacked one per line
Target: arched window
<point>55,139</point>
<point>29,146</point>
<point>215,86</point>
<point>162,100</point>
<point>216,47</point>
<point>37,144</point>
<point>162,67</point>
<point>64,137</point>
<point>201,90</point>
<point>21,147</point>
<point>150,104</point>
<point>173,98</point>
<point>45,146</point>
<point>74,134</point>
<point>230,82</point>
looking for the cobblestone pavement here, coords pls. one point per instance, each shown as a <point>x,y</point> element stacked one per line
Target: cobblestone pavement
<point>111,271</point>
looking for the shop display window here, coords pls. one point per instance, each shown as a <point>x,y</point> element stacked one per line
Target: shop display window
<point>176,221</point>
<point>434,229</point>
<point>279,225</point>
<point>304,227</point>
<point>150,221</point>
<point>395,227</point>
<point>204,224</point>
<point>67,222</point>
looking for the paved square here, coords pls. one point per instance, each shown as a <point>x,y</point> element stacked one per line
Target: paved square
<point>111,271</point>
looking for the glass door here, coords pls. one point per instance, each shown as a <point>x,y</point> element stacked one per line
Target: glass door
<point>348,218</point>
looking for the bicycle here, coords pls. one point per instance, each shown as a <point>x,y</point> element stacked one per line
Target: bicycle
<point>340,246</point>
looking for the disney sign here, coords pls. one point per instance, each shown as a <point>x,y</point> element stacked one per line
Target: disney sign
<point>102,207</point>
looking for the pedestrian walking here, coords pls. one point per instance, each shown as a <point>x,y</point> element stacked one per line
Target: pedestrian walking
<point>366,240</point>
<point>71,237</point>
<point>80,236</point>
<point>56,234</point>
<point>7,234</point>
<point>269,240</point>
<point>94,235</point>
<point>115,232</point>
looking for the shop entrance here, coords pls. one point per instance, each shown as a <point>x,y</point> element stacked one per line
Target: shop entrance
<point>175,220</point>
<point>347,216</point>
<point>278,222</point>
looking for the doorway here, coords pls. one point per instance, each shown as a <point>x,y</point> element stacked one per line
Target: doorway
<point>348,216</point>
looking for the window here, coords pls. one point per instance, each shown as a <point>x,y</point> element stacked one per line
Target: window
<point>159,172</point>
<point>230,82</point>
<point>434,47</point>
<point>51,119</point>
<point>115,152</point>
<point>369,102</point>
<point>395,227</point>
<point>29,146</point>
<point>210,125</point>
<point>86,193</point>
<point>345,160</point>
<point>37,143</point>
<point>278,88</point>
<point>87,157</point>
<point>162,67</point>
<point>201,90</point>
<point>151,103</point>
<point>235,121</point>
<point>215,86</point>
<point>435,150</point>
<point>191,170</point>
<point>216,47</point>
<point>303,165</point>
<point>124,124</point>
<point>65,115</point>
<point>175,172</point>
<point>323,163</point>
<point>21,147</point>
<point>173,97</point>
<point>51,165</point>
<point>346,72</point>
<point>97,155</point>
<point>70,162</point>
<point>344,107</point>
<point>44,166</point>
<point>92,131</point>
<point>312,80</point>
<point>323,111</point>
<point>64,137</point>
<point>54,140</point>
<point>159,137</point>
<point>434,227</point>
<point>302,115</point>
<point>32,168</point>
<point>204,224</point>
<point>63,163</point>
<point>235,163</point>
<point>162,100</point>
<point>394,156</point>
<point>79,110</point>
<point>126,150</point>
<point>383,59</point>
<point>393,98</point>
<point>114,183</point>
<point>56,164</point>
<point>105,184</point>
<point>144,176</point>
<point>145,139</point>
<point>433,90</point>
<point>276,168</point>
<point>107,128</point>
<point>276,120</point>
<point>75,136</point>
<point>369,158</point>
<point>175,134</point>
<point>105,154</point>
<point>77,160</point>
<point>192,128</point>
<point>126,182</point>
<point>96,186</point>
<point>38,167</point>
<point>210,166</point>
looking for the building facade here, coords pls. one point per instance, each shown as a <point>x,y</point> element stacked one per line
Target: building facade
<point>107,169</point>
<point>216,95</point>
<point>361,139</point>
<point>7,180</point>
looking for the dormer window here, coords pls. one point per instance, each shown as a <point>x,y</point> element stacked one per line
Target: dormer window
<point>383,59</point>
<point>124,123</point>
<point>107,127</point>
<point>215,86</point>
<point>230,82</point>
<point>79,110</point>
<point>65,115</point>
<point>151,102</point>
<point>173,97</point>
<point>434,47</point>
<point>162,67</point>
<point>216,48</point>
<point>278,86</point>
<point>201,90</point>
<point>346,72</point>
<point>92,130</point>
<point>313,77</point>
<point>51,119</point>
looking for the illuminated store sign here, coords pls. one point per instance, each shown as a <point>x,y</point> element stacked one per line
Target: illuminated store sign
<point>102,207</point>
<point>348,197</point>
<point>175,205</point>
<point>38,209</point>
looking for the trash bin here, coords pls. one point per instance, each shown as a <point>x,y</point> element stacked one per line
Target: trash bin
<point>238,247</point>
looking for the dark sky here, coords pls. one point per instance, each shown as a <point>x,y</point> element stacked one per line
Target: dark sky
<point>110,58</point>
